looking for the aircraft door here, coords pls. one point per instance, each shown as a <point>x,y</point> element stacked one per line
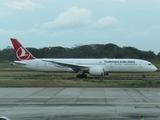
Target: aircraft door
<point>141,64</point>
<point>37,65</point>
<point>74,62</point>
<point>77,63</point>
<point>111,66</point>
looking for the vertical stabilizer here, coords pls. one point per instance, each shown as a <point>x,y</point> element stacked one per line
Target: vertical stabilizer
<point>21,52</point>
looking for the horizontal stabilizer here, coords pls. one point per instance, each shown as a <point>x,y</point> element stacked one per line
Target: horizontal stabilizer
<point>19,63</point>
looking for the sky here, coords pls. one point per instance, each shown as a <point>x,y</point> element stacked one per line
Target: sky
<point>71,23</point>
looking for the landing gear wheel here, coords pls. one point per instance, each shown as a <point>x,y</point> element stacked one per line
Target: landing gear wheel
<point>143,76</point>
<point>81,76</point>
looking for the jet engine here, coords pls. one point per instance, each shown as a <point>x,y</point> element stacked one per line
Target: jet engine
<point>96,71</point>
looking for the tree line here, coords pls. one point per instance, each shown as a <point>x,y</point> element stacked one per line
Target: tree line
<point>83,51</point>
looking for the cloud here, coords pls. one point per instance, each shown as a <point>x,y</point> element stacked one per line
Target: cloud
<point>72,17</point>
<point>140,34</point>
<point>106,22</point>
<point>26,5</point>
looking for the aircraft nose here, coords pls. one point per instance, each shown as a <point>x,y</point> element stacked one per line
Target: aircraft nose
<point>154,68</point>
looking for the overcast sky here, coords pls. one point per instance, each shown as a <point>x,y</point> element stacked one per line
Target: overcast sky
<point>68,23</point>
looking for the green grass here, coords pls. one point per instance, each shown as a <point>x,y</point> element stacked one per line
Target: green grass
<point>80,83</point>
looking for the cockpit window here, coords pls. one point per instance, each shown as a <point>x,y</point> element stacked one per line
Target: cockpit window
<point>149,64</point>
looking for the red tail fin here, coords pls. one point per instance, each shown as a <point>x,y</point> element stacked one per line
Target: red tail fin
<point>21,52</point>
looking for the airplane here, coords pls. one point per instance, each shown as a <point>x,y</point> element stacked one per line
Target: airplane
<point>94,67</point>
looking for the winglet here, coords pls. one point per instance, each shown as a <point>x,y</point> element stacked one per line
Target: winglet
<point>21,52</point>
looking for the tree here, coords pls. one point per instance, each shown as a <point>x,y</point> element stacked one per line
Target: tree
<point>84,51</point>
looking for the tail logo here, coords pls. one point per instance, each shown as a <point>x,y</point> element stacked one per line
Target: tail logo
<point>22,54</point>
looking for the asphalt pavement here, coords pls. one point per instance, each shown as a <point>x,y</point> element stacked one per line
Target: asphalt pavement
<point>80,103</point>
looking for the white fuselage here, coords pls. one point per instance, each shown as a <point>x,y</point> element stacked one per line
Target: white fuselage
<point>108,65</point>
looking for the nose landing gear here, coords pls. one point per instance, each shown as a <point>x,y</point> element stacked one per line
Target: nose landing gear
<point>143,76</point>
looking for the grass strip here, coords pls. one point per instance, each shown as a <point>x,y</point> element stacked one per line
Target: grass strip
<point>81,83</point>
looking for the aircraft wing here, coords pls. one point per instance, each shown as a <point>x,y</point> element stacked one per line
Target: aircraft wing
<point>74,66</point>
<point>19,63</point>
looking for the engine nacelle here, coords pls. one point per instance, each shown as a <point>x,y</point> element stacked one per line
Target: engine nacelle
<point>96,71</point>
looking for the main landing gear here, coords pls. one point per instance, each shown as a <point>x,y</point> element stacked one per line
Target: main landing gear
<point>81,76</point>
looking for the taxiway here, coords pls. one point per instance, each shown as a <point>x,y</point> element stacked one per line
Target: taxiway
<point>80,103</point>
